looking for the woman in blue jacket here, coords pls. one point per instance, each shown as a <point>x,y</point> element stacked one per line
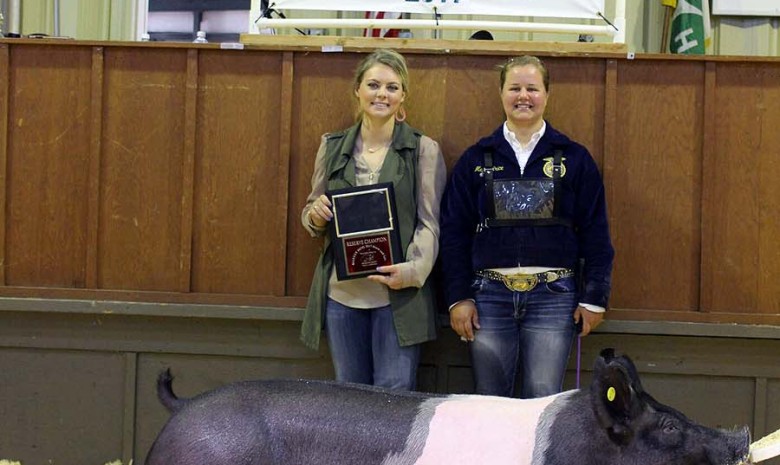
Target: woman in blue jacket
<point>523,222</point>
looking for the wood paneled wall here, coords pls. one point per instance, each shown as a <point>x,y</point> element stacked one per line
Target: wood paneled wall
<point>176,173</point>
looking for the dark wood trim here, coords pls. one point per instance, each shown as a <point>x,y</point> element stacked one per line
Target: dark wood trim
<point>188,171</point>
<point>683,316</point>
<point>95,148</point>
<point>5,83</point>
<point>274,309</point>
<point>283,169</point>
<point>154,338</point>
<point>708,167</point>
<point>271,310</point>
<point>683,328</point>
<point>307,43</point>
<point>229,300</point>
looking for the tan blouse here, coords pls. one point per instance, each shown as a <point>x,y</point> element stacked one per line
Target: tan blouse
<point>424,247</point>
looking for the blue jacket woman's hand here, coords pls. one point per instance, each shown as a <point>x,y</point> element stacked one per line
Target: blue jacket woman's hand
<point>464,319</point>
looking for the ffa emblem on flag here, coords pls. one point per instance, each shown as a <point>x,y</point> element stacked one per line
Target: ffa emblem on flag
<point>548,167</point>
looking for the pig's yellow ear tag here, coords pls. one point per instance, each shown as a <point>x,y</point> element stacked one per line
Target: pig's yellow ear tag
<point>611,394</point>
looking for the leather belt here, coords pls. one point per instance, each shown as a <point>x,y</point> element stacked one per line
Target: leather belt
<point>525,282</point>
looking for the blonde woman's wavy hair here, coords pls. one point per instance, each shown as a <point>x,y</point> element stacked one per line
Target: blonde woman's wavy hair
<point>389,58</point>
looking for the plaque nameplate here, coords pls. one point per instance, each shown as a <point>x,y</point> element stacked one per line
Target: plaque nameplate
<point>364,230</point>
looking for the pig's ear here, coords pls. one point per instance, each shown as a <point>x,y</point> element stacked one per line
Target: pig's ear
<point>613,398</point>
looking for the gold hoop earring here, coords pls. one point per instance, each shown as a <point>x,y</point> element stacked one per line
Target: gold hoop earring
<point>400,115</point>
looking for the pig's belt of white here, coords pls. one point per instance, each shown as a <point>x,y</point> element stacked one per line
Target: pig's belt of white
<point>525,282</point>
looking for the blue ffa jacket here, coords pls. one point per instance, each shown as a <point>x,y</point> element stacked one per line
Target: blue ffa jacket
<point>467,247</point>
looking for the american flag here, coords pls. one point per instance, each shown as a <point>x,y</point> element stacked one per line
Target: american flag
<point>381,32</point>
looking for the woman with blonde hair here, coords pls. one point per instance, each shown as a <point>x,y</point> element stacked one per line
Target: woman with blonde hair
<point>375,324</point>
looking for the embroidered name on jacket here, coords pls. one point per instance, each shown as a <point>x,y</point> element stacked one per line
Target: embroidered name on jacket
<point>481,169</point>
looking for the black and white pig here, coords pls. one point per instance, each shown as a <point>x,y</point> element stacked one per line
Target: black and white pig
<point>614,422</point>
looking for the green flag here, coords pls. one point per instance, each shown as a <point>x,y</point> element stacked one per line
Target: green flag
<point>690,27</point>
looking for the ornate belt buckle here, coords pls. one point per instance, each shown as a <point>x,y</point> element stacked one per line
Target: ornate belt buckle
<point>523,282</point>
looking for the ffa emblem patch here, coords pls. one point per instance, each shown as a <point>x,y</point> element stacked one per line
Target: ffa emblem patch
<point>548,167</point>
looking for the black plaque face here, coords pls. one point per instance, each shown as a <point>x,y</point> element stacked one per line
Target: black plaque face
<point>364,232</point>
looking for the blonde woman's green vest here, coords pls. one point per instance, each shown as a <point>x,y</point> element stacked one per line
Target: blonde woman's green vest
<point>413,308</point>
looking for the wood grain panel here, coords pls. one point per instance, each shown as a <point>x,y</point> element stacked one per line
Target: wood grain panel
<point>426,103</point>
<point>147,175</point>
<point>141,172</point>
<point>744,256</point>
<point>323,101</point>
<point>47,162</point>
<point>472,103</point>
<point>655,182</point>
<point>610,127</point>
<point>237,176</point>
<point>769,193</point>
<point>576,101</point>
<point>473,106</point>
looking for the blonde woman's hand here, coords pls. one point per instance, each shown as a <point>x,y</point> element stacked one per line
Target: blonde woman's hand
<point>392,276</point>
<point>320,213</point>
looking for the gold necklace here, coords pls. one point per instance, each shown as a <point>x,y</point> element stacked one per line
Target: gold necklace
<point>373,171</point>
<point>377,148</point>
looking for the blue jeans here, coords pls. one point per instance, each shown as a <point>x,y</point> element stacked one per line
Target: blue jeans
<point>364,347</point>
<point>532,331</point>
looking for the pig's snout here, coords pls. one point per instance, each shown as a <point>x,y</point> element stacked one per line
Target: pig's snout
<point>735,450</point>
